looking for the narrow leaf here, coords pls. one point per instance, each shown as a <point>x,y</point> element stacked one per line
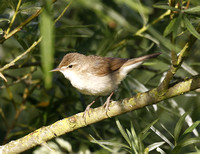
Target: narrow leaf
<point>170,27</point>
<point>191,28</point>
<point>173,26</point>
<point>185,143</point>
<point>122,131</point>
<point>134,135</point>
<point>155,145</point>
<point>179,126</point>
<point>193,9</point>
<point>103,146</point>
<point>162,136</point>
<point>189,141</point>
<point>166,7</point>
<point>133,144</point>
<point>177,26</point>
<point>110,143</point>
<point>146,129</point>
<point>4,19</point>
<point>191,128</point>
<point>30,10</point>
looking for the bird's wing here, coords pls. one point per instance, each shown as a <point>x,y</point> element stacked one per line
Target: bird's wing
<point>103,66</point>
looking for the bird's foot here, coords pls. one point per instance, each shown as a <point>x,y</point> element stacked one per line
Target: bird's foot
<point>106,104</point>
<point>88,109</point>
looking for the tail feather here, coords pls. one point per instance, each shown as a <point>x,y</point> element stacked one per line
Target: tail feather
<point>140,59</point>
<point>133,63</point>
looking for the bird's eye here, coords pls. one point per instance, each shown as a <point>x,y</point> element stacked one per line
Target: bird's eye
<point>70,66</point>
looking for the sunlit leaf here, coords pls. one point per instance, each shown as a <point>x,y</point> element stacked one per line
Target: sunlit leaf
<point>191,128</point>
<point>155,145</point>
<point>4,19</point>
<point>29,11</point>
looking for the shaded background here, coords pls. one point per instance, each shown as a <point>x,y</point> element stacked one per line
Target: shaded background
<point>30,99</point>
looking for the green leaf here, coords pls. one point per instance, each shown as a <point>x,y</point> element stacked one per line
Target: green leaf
<point>177,26</point>
<point>30,11</point>
<point>191,28</point>
<point>193,9</point>
<point>178,127</point>
<point>185,142</point>
<point>164,41</point>
<point>191,128</point>
<point>189,141</point>
<point>47,43</point>
<point>122,131</point>
<point>170,27</point>
<point>109,143</point>
<point>155,145</point>
<point>173,26</point>
<point>166,7</point>
<point>1,31</point>
<point>134,144</point>
<point>99,143</point>
<point>134,135</point>
<point>142,134</point>
<point>4,19</point>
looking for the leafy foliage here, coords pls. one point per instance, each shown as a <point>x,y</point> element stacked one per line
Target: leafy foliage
<point>33,97</point>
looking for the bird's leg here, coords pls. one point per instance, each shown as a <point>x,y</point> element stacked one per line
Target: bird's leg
<point>88,108</point>
<point>106,104</point>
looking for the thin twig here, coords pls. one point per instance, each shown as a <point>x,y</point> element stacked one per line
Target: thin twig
<point>62,13</point>
<point>13,18</point>
<point>20,56</point>
<point>145,28</point>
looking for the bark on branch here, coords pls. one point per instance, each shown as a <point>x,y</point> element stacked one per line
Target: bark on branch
<point>74,122</point>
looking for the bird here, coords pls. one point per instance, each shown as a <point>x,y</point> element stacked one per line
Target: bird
<point>96,75</point>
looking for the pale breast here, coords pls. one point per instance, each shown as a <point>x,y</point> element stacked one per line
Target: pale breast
<point>90,84</point>
<point>95,85</point>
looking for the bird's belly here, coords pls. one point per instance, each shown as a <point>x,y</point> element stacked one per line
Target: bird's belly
<point>94,85</point>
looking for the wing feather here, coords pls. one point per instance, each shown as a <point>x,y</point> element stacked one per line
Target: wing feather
<point>103,66</point>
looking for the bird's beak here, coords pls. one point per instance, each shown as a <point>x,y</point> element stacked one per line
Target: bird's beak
<point>55,70</point>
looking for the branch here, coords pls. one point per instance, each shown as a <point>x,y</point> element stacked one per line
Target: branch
<point>74,122</point>
<point>177,62</point>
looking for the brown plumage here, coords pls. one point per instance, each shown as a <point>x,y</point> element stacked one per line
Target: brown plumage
<point>95,75</point>
<point>101,66</point>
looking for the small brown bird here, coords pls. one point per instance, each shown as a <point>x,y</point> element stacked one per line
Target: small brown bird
<point>95,75</point>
